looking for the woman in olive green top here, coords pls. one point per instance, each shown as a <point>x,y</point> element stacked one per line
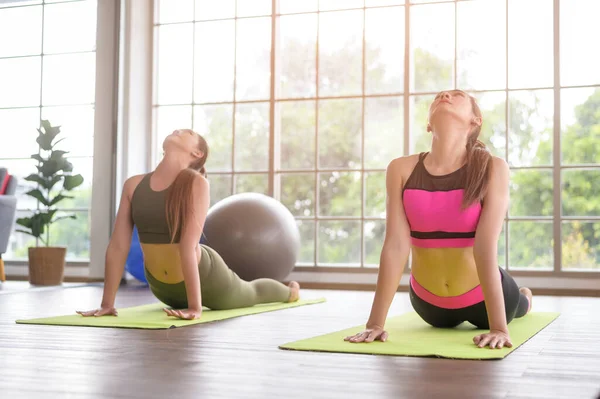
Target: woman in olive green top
<point>169,207</point>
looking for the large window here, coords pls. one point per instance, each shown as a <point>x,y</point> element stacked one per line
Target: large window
<point>309,101</point>
<point>47,71</point>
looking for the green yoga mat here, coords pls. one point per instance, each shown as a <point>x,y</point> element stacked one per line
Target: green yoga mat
<point>152,316</point>
<point>411,336</point>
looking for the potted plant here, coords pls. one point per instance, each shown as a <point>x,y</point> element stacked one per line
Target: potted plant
<point>54,178</point>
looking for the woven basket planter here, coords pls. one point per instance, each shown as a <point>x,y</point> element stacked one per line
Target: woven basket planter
<point>47,265</point>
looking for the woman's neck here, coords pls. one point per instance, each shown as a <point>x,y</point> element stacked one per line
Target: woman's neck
<point>170,166</point>
<point>448,153</point>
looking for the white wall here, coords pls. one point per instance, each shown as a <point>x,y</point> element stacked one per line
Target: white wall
<point>134,149</point>
<point>104,133</point>
<point>131,104</point>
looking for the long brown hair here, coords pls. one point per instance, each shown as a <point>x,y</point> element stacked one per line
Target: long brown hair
<point>478,163</point>
<point>180,196</point>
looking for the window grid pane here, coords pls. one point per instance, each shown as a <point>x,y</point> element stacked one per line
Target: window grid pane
<point>338,117</point>
<point>47,74</point>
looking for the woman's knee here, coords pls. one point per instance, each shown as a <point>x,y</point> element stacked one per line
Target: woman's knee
<point>512,295</point>
<point>478,316</point>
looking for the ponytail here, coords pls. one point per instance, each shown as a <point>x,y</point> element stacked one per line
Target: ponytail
<point>479,161</point>
<point>478,170</point>
<point>180,198</point>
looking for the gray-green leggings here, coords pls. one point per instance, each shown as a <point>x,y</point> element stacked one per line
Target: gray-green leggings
<point>221,287</point>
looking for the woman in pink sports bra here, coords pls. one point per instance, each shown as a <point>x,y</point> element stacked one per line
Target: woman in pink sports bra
<point>446,207</point>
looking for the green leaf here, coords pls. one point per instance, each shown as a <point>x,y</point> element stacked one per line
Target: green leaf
<point>48,135</point>
<point>52,167</point>
<point>37,194</point>
<point>45,138</point>
<point>58,198</point>
<point>38,157</point>
<point>25,222</point>
<point>66,166</point>
<point>52,182</point>
<point>72,182</point>
<point>57,155</point>
<point>42,141</point>
<point>39,222</point>
<point>57,141</point>
<point>46,217</point>
<point>48,168</point>
<point>25,232</point>
<point>45,183</point>
<point>64,217</point>
<point>36,179</point>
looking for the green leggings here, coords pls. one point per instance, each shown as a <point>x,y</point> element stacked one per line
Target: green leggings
<point>221,287</point>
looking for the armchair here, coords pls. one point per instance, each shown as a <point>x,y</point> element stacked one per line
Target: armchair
<point>8,210</point>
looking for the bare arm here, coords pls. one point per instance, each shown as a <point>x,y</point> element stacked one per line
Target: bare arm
<point>396,248</point>
<point>116,253</point>
<point>188,243</point>
<point>394,255</point>
<point>118,247</point>
<point>485,248</point>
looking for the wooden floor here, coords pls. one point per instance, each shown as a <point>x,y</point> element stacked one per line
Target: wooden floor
<point>12,287</point>
<point>239,358</point>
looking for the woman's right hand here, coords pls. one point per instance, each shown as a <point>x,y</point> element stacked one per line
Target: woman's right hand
<point>184,314</point>
<point>104,311</point>
<point>369,335</point>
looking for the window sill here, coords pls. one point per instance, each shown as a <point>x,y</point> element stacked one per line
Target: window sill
<point>541,285</point>
<point>74,271</point>
<point>364,281</point>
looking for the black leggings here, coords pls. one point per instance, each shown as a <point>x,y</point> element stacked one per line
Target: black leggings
<point>515,303</point>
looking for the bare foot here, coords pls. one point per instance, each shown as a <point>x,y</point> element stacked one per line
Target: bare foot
<point>294,291</point>
<point>527,292</point>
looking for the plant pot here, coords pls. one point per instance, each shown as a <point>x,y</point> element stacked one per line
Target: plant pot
<point>46,265</point>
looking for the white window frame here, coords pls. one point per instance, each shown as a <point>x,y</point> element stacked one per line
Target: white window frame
<point>103,157</point>
<point>133,129</point>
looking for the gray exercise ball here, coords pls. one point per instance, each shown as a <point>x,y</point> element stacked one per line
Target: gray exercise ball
<point>256,236</point>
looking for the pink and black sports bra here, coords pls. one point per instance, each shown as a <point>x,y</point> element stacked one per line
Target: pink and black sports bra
<point>433,208</point>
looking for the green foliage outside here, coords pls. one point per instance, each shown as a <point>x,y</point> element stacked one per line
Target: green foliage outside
<point>74,234</point>
<point>340,193</point>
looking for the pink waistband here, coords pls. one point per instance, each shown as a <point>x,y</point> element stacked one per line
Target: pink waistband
<point>447,302</point>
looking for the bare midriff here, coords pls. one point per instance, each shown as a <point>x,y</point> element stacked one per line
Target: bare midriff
<point>445,272</point>
<point>163,261</point>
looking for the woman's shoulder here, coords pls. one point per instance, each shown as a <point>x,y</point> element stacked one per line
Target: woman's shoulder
<point>404,165</point>
<point>400,169</point>
<point>132,183</point>
<point>499,170</point>
<point>200,188</point>
<point>498,163</point>
<point>404,161</point>
<point>201,182</point>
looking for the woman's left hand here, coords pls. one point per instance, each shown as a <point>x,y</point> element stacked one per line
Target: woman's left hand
<point>185,314</point>
<point>495,339</point>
